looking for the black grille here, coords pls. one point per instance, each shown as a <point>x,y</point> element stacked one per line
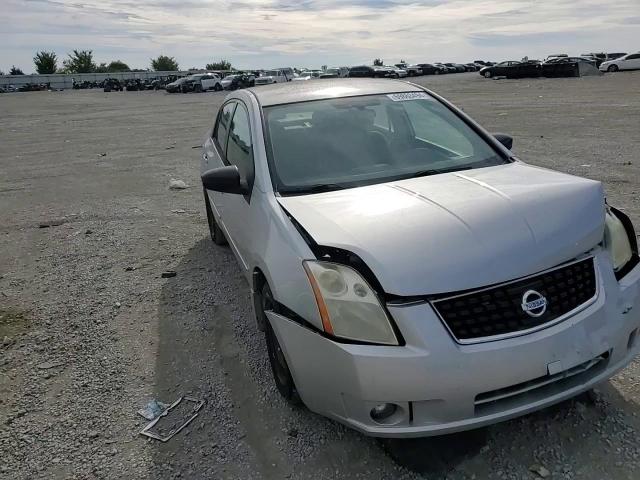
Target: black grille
<point>498,310</point>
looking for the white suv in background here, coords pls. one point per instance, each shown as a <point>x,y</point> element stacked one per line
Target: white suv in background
<point>206,81</point>
<point>273,76</point>
<point>627,62</point>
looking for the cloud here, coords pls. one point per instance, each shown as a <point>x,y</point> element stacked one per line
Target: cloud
<point>263,33</point>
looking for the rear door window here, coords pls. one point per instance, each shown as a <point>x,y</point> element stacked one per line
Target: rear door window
<point>239,148</point>
<point>222,128</point>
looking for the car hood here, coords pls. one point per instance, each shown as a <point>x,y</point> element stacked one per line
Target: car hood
<point>458,231</point>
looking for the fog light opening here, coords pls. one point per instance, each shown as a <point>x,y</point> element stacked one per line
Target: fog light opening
<point>382,412</point>
<point>632,339</point>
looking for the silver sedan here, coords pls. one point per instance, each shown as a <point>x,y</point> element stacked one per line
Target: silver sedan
<point>411,275</point>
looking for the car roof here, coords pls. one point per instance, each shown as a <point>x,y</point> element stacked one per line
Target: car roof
<point>294,92</point>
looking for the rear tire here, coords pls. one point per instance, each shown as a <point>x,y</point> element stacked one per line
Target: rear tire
<point>612,68</point>
<point>217,235</point>
<point>281,373</point>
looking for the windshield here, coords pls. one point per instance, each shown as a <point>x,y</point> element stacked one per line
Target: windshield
<point>356,141</point>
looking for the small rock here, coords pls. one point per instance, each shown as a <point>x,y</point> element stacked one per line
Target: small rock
<point>48,365</point>
<point>129,268</point>
<point>118,304</point>
<point>177,184</point>
<point>163,239</point>
<point>293,432</point>
<point>6,341</point>
<point>93,434</point>
<point>168,274</point>
<point>178,210</point>
<point>102,154</point>
<point>88,231</point>
<point>539,470</point>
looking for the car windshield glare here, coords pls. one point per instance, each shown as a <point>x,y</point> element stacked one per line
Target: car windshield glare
<point>355,141</point>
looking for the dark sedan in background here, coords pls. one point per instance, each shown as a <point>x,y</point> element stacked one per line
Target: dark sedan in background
<point>366,71</point>
<point>180,85</point>
<point>501,69</point>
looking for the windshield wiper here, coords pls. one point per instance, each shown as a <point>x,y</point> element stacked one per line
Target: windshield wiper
<point>318,188</point>
<point>426,173</point>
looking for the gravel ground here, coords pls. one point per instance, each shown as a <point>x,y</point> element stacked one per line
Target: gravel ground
<point>90,331</point>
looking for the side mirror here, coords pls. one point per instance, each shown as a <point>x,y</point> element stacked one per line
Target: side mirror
<point>505,140</point>
<point>225,180</point>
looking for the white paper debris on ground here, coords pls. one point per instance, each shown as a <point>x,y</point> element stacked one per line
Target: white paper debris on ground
<point>177,184</point>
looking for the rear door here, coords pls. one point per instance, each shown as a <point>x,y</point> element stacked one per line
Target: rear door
<point>213,155</point>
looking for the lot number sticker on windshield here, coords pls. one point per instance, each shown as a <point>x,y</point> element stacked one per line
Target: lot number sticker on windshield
<point>401,97</point>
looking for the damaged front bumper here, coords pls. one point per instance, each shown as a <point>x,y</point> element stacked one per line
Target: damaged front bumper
<point>440,386</point>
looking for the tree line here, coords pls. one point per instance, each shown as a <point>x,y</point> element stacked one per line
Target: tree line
<point>82,61</point>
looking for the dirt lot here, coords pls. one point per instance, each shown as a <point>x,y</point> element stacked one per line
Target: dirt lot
<point>90,331</point>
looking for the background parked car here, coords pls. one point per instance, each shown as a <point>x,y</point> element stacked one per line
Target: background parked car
<point>202,82</point>
<point>274,76</point>
<point>499,69</point>
<point>614,56</point>
<point>369,71</point>
<point>446,68</point>
<point>111,84</point>
<point>396,72</point>
<point>239,80</point>
<point>342,72</point>
<point>133,85</point>
<point>459,68</point>
<point>429,69</point>
<point>626,62</point>
<point>412,70</point>
<point>308,75</point>
<point>177,86</point>
<point>571,60</point>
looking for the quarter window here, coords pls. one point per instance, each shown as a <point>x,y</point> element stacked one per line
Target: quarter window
<point>223,124</point>
<point>239,149</point>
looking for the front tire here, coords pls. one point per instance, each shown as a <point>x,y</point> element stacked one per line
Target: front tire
<point>488,74</point>
<point>612,69</point>
<point>217,87</point>
<point>217,235</point>
<point>281,373</point>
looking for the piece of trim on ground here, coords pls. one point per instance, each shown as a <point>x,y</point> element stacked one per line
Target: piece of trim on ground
<point>147,431</point>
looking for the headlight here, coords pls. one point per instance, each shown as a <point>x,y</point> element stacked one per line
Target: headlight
<point>348,306</point>
<point>616,241</point>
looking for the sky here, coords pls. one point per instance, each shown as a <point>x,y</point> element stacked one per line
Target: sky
<point>311,33</point>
